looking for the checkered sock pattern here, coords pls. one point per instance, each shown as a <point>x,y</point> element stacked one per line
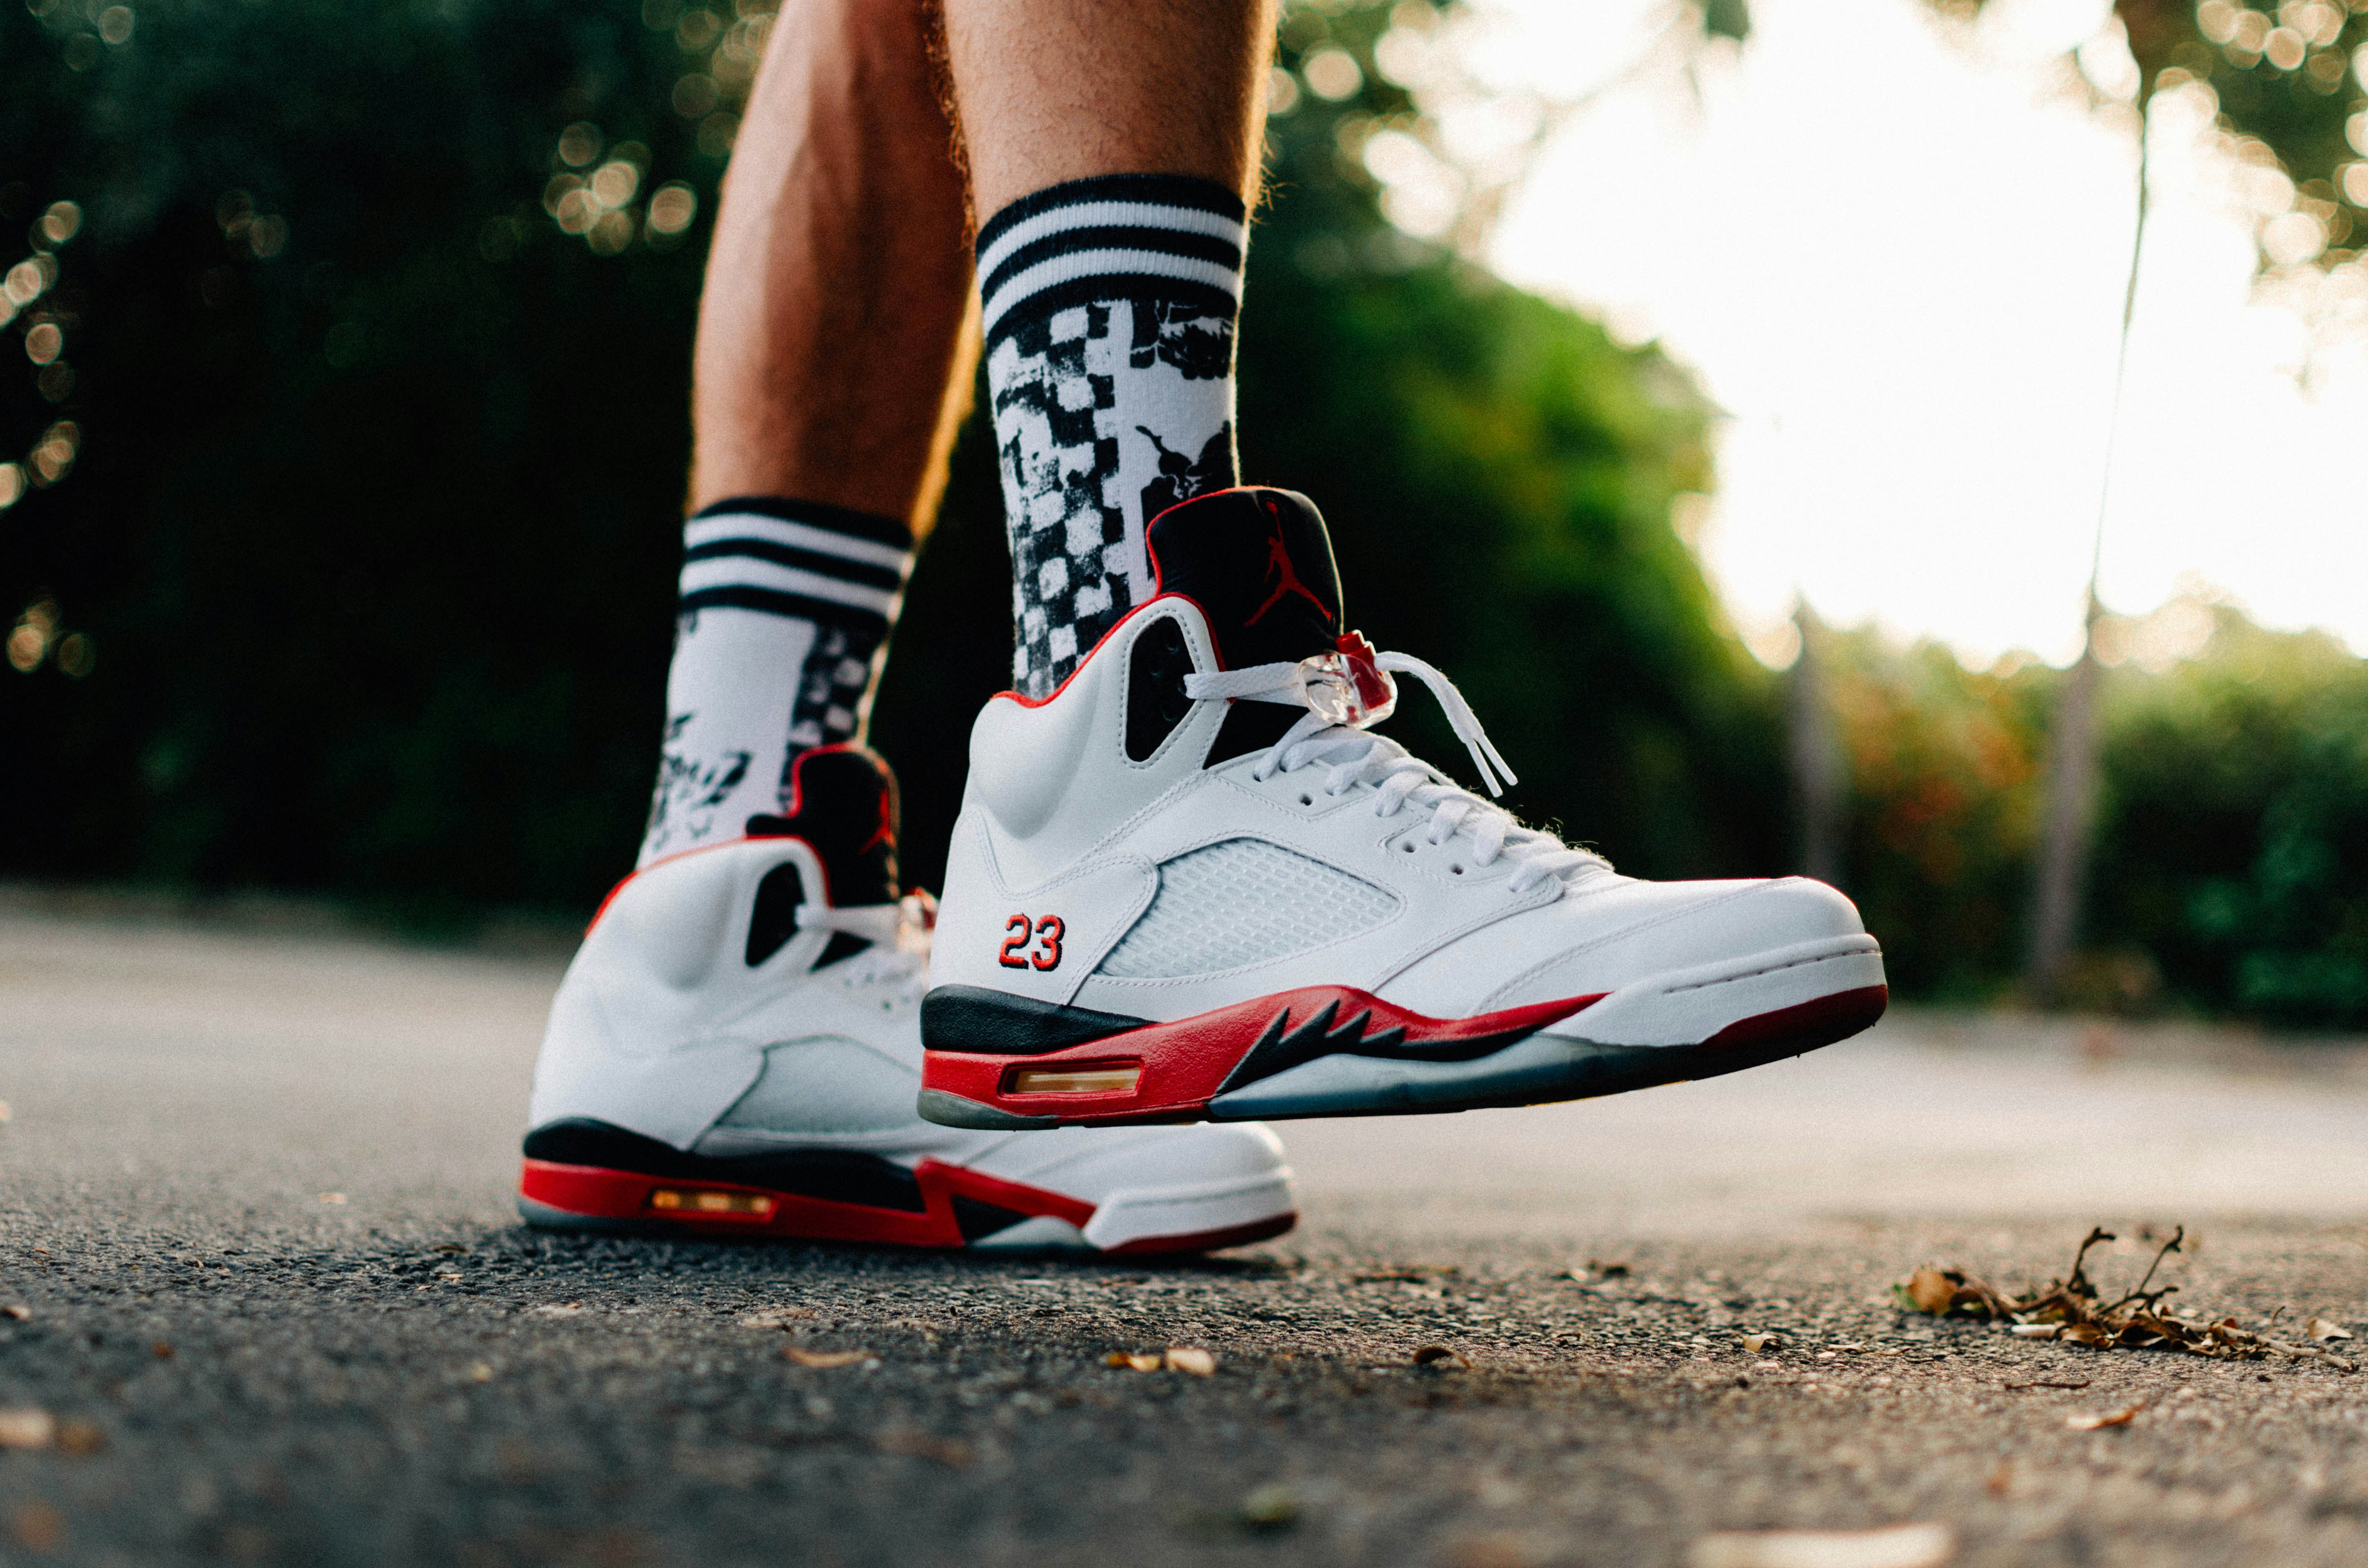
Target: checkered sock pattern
<point>779,634</point>
<point>1110,315</point>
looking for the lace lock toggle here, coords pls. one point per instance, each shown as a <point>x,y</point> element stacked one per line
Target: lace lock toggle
<point>1348,686</point>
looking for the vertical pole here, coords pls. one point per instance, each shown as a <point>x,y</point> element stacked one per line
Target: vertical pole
<point>2074,748</point>
<point>1821,770</point>
<point>2069,823</point>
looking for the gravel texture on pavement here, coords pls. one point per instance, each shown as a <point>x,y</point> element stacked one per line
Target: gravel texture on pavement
<point>258,1272</point>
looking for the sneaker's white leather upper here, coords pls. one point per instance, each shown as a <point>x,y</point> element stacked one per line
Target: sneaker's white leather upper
<point>662,1028</point>
<point>1060,825</point>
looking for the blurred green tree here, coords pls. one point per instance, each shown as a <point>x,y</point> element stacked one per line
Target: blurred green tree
<point>2233,851</point>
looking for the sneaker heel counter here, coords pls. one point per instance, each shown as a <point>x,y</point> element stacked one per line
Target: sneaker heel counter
<point>576,1041</point>
<point>635,1032</point>
<point>969,913</point>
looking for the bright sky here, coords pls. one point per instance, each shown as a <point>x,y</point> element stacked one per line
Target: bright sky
<point>1896,256</point>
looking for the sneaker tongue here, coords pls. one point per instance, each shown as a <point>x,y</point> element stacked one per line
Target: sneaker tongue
<point>1259,563</point>
<point>843,803</point>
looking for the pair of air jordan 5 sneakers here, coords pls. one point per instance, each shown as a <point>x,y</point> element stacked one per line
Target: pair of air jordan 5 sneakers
<point>1186,893</point>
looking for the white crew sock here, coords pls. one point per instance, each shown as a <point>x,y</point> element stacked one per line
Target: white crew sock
<point>782,626</point>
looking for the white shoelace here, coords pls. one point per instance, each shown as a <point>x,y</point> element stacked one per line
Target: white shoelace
<point>899,934</point>
<point>1399,777</point>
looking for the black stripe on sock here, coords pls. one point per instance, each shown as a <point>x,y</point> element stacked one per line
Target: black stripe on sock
<point>1068,241</point>
<point>1115,286</point>
<point>815,514</point>
<point>773,601</point>
<point>864,572</point>
<point>1165,190</point>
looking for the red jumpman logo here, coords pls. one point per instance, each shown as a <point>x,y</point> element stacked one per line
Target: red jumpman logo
<point>1278,561</point>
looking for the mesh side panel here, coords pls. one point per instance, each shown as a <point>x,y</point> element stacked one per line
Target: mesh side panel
<point>1238,903</point>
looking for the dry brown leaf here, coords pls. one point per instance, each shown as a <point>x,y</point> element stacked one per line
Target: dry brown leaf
<point>27,1428</point>
<point>39,1527</point>
<point>1895,1546</point>
<point>80,1437</point>
<point>2086,1333</point>
<point>773,1317</point>
<point>2094,1423</point>
<point>1142,1361</point>
<point>805,1357</point>
<point>20,1312</point>
<point>1430,1355</point>
<point>1756,1344</point>
<point>1186,1358</point>
<point>1933,1291</point>
<point>912,1440</point>
<point>2320,1328</point>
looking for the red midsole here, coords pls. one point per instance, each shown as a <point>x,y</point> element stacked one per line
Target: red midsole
<point>597,1192</point>
<point>1185,1062</point>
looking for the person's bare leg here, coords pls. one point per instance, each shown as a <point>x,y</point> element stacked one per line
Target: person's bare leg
<point>831,369</point>
<point>1112,150</point>
<point>831,362</point>
<point>1056,90</point>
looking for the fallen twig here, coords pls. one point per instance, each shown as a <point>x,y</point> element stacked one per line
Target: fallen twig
<point>2073,1310</point>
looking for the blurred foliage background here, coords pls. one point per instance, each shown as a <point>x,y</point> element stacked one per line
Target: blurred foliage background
<point>343,411</point>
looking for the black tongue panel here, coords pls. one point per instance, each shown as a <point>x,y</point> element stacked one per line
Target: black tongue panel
<point>1259,563</point>
<point>843,803</point>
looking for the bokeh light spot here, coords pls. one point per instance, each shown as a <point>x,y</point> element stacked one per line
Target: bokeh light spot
<point>12,484</point>
<point>1282,91</point>
<point>44,343</point>
<point>2291,238</point>
<point>1332,75</point>
<point>576,211</point>
<point>611,232</point>
<point>695,97</point>
<point>30,639</point>
<point>579,145</point>
<point>615,183</point>
<point>24,283</point>
<point>61,222</point>
<point>672,207</point>
<point>115,24</point>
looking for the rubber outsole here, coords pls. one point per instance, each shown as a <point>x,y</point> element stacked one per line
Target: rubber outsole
<point>1535,1069</point>
<point>961,1208</point>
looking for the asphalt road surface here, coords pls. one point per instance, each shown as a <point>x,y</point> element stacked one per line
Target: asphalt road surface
<point>263,1300</point>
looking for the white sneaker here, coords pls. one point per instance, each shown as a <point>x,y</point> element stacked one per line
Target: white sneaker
<point>1189,884</point>
<point>736,1048</point>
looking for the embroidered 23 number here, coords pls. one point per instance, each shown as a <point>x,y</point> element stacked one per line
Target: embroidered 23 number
<point>1045,933</point>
